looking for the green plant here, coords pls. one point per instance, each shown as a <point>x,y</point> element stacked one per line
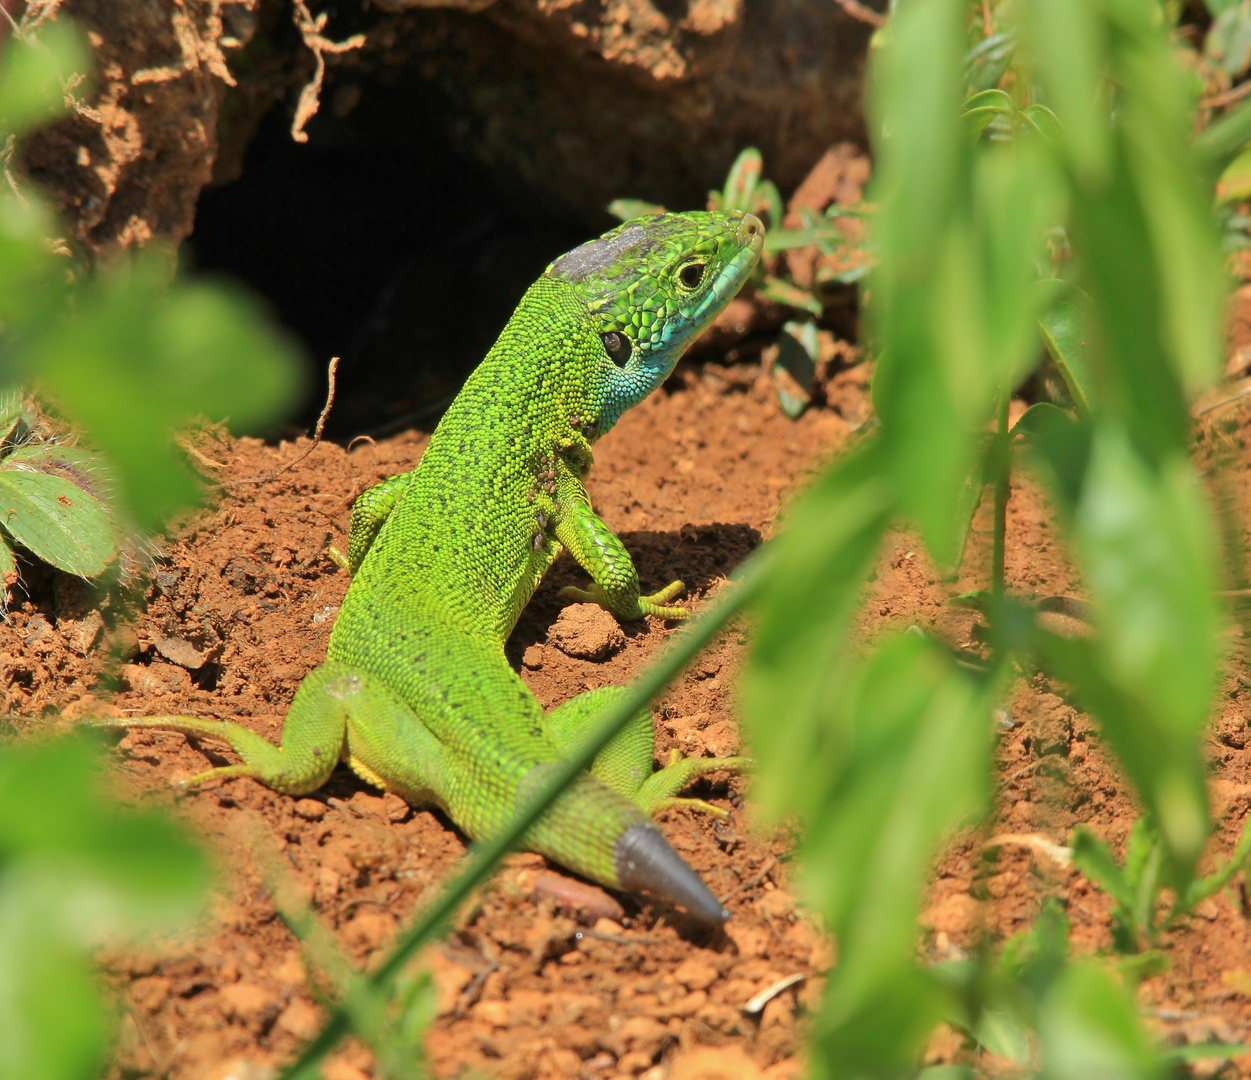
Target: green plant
<point>1135,883</point>
<point>129,354</point>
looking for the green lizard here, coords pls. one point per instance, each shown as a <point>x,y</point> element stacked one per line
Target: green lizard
<point>416,694</point>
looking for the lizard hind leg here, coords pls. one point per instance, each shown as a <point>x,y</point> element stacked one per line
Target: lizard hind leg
<point>313,735</point>
<point>625,764</point>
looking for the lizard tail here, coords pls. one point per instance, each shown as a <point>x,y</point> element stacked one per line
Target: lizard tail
<point>646,861</point>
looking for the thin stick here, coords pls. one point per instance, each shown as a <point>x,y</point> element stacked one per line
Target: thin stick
<point>1227,97</point>
<point>331,371</point>
<point>1224,401</point>
<point>1003,488</point>
<point>862,14</point>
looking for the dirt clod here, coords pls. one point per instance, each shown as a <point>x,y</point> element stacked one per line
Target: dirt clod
<point>586,631</point>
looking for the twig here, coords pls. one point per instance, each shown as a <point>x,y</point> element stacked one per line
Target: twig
<point>1036,843</point>
<point>37,13</point>
<point>862,14</point>
<point>750,882</point>
<point>207,462</point>
<point>470,994</point>
<point>1227,97</point>
<point>311,31</point>
<point>331,371</point>
<point>1225,400</point>
<point>765,996</point>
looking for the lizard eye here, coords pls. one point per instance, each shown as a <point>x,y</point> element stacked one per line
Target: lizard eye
<point>692,274</point>
<point>618,346</point>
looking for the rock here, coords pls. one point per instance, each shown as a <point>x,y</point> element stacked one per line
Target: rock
<point>494,1013</point>
<point>695,974</point>
<point>180,651</point>
<point>82,634</point>
<point>150,993</point>
<point>587,632</point>
<point>715,1063</point>
<point>310,809</point>
<point>954,914</point>
<point>248,1001</point>
<point>685,86</point>
<point>450,979</point>
<point>369,930</point>
<point>155,679</point>
<point>300,1018</point>
<point>89,706</point>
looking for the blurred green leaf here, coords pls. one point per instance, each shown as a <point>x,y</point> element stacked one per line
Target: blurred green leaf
<point>1004,1035</point>
<point>905,760</point>
<point>32,74</point>
<point>75,872</point>
<point>1088,1027</point>
<point>1067,45</point>
<point>827,544</point>
<point>32,279</point>
<point>988,60</point>
<point>52,1023</point>
<point>740,185</point>
<point>1204,887</point>
<point>784,292</point>
<point>137,357</point>
<point>1134,888</point>
<point>1234,184</point>
<point>878,1033</point>
<point>1188,1055</point>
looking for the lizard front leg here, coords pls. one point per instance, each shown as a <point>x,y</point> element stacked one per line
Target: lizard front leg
<point>369,513</point>
<point>598,550</point>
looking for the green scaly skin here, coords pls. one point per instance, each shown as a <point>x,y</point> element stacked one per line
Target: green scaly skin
<point>416,694</point>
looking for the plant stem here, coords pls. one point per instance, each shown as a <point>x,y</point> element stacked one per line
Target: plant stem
<point>1003,477</point>
<point>748,583</point>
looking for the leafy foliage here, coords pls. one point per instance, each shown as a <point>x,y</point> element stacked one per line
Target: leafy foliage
<point>129,354</point>
<point>52,494</point>
<point>1089,139</point>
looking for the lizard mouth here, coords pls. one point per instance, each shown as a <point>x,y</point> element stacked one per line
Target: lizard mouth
<point>644,860</point>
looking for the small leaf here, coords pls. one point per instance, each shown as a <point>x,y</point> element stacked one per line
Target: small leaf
<point>1005,1036</point>
<point>1092,857</point>
<point>46,508</point>
<point>1088,1027</point>
<point>1228,43</point>
<point>784,292</point>
<point>988,60</point>
<point>740,184</point>
<point>1063,327</point>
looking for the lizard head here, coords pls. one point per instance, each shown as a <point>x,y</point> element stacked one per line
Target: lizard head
<point>651,286</point>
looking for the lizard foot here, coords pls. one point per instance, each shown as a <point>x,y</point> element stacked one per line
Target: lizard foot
<point>661,788</point>
<point>656,604</point>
